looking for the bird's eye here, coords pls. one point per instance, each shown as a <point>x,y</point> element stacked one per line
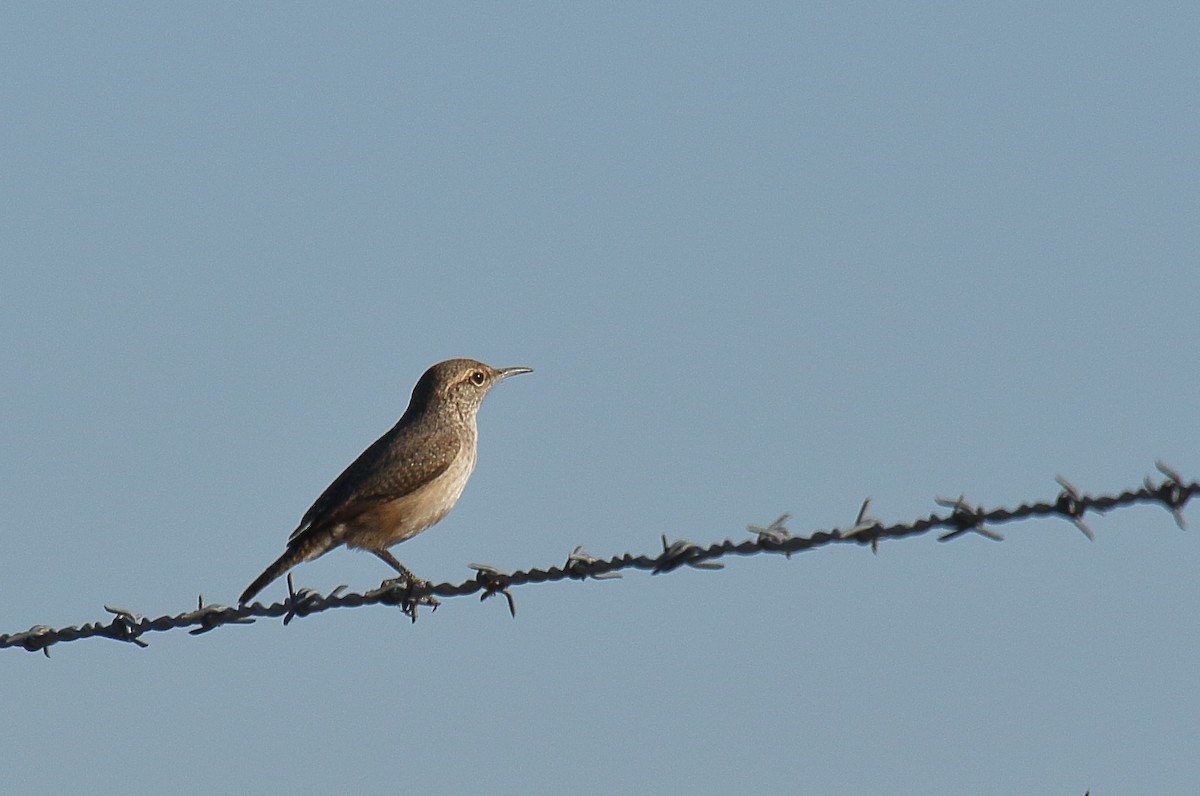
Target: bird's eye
<point>477,377</point>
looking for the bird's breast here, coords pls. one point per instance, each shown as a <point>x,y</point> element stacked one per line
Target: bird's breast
<point>388,523</point>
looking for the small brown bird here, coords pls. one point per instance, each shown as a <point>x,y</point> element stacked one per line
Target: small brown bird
<point>406,481</point>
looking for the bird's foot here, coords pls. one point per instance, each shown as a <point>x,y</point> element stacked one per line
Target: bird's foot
<point>413,592</point>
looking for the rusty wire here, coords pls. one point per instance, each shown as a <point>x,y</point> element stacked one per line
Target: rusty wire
<point>1172,493</point>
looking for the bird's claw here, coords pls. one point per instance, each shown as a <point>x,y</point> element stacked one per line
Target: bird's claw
<point>412,592</point>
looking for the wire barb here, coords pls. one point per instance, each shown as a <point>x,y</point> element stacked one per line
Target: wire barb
<point>582,565</point>
<point>965,518</point>
<point>865,527</point>
<point>494,582</point>
<point>1070,504</point>
<point>774,534</point>
<point>1173,494</point>
<point>300,602</point>
<point>681,551</point>
<point>126,626</point>
<point>36,638</point>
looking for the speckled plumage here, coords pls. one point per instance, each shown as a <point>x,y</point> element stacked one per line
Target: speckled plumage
<point>406,481</point>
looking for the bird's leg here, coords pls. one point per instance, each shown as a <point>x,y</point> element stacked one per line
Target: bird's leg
<point>410,580</point>
<point>387,557</point>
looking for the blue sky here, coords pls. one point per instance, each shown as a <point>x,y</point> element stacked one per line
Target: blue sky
<point>763,258</point>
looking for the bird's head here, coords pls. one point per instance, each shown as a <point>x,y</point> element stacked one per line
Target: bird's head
<point>460,384</point>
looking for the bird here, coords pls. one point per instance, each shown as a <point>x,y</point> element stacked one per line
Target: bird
<point>406,481</point>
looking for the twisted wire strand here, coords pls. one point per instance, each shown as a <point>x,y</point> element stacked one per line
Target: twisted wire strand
<point>1172,494</point>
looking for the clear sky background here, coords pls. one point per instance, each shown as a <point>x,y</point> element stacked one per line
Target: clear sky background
<point>763,258</point>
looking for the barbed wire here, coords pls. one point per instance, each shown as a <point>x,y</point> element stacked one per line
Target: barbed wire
<point>1171,494</point>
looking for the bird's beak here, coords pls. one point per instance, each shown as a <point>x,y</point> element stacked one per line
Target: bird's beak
<point>504,373</point>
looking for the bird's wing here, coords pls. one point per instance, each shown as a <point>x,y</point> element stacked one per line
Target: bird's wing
<point>383,472</point>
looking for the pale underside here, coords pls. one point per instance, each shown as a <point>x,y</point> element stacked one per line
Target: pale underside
<point>382,524</point>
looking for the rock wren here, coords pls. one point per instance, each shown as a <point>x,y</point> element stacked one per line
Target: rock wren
<point>406,481</point>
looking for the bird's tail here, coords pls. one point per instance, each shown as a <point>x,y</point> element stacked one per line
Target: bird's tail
<point>299,550</point>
